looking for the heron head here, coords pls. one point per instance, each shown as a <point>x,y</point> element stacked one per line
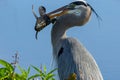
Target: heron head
<point>77,13</point>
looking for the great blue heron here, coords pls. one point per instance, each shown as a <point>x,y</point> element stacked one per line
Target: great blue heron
<point>71,56</point>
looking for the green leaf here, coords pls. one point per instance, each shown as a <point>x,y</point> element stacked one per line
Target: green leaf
<point>50,76</point>
<point>7,65</point>
<point>34,76</point>
<point>45,69</point>
<point>38,70</point>
<point>18,77</point>
<point>24,72</point>
<point>4,72</point>
<point>52,71</point>
<point>28,71</point>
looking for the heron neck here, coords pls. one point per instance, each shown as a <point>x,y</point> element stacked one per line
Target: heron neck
<point>58,33</point>
<point>67,21</point>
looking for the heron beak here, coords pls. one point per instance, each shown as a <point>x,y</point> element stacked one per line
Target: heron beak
<point>59,12</point>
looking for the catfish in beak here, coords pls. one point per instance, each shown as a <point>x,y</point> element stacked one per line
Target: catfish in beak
<point>42,21</point>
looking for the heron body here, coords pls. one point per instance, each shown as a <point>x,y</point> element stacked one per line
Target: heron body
<point>70,55</point>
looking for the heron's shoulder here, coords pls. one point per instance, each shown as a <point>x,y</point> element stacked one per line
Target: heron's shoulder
<point>72,41</point>
<point>74,45</point>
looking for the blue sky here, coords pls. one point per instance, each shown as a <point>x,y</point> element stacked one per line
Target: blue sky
<point>17,34</point>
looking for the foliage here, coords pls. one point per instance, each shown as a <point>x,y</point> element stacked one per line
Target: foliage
<point>43,74</point>
<point>7,71</point>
